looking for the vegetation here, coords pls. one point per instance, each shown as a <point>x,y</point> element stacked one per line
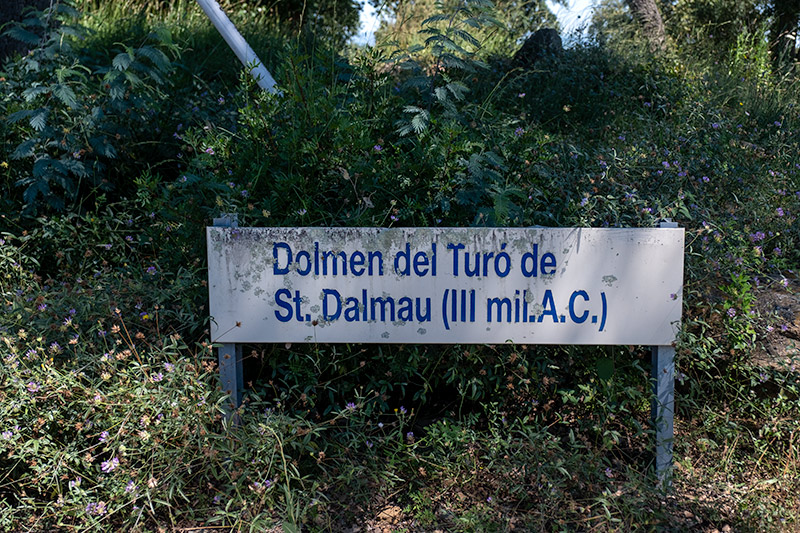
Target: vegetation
<point>125,131</point>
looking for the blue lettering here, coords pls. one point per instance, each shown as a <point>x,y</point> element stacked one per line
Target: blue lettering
<point>337,301</point>
<point>279,295</point>
<point>276,269</point>
<point>575,318</point>
<point>549,306</point>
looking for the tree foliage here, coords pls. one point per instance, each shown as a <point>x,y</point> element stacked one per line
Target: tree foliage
<point>516,20</point>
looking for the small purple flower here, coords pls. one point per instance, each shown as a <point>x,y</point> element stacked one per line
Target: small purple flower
<point>350,406</point>
<point>42,307</point>
<point>301,212</point>
<point>521,95</point>
<point>110,465</point>
<point>777,251</point>
<point>216,499</point>
<point>784,327</point>
<point>72,312</point>
<point>489,499</point>
<point>103,436</point>
<point>410,436</point>
<point>621,137</point>
<point>705,179</point>
<point>715,125</point>
<point>7,434</point>
<point>169,367</point>
<point>209,151</point>
<point>33,387</point>
<point>519,132</point>
<point>155,378</point>
<point>780,211</point>
<point>584,201</point>
<point>152,270</point>
<point>665,163</point>
<point>245,194</point>
<point>731,312</point>
<point>377,147</point>
<point>130,487</point>
<point>220,100</point>
<point>609,473</point>
<point>75,483</point>
<point>403,410</point>
<point>785,282</point>
<point>648,104</point>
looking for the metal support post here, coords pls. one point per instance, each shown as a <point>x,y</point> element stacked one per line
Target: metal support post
<point>230,355</point>
<point>663,410</point>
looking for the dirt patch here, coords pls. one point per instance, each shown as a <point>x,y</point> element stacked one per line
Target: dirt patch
<point>779,308</point>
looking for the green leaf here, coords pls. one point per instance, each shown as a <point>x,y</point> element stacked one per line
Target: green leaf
<point>20,34</point>
<point>32,92</point>
<point>22,114</point>
<point>467,37</point>
<point>25,149</point>
<point>66,95</point>
<point>38,120</point>
<point>122,61</point>
<point>458,89</point>
<point>435,18</point>
<point>605,368</point>
<point>35,189</point>
<point>157,57</point>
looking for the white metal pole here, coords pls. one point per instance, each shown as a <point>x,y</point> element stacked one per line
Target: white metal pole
<point>239,46</point>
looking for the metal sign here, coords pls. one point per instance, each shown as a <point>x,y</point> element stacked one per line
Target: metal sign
<point>446,285</point>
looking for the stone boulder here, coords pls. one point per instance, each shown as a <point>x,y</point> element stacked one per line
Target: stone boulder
<point>543,43</point>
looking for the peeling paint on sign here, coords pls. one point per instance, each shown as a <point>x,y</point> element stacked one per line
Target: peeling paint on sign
<point>445,285</point>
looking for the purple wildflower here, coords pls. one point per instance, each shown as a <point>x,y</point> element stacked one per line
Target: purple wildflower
<point>110,465</point>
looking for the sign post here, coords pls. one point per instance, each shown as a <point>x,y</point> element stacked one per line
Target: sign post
<point>589,286</point>
<point>230,353</point>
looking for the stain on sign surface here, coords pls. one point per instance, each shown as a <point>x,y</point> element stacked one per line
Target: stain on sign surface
<point>446,285</point>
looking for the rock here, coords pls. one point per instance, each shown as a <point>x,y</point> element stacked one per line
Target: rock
<point>543,43</point>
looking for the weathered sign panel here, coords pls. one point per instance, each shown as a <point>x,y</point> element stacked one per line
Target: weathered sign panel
<point>445,285</point>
